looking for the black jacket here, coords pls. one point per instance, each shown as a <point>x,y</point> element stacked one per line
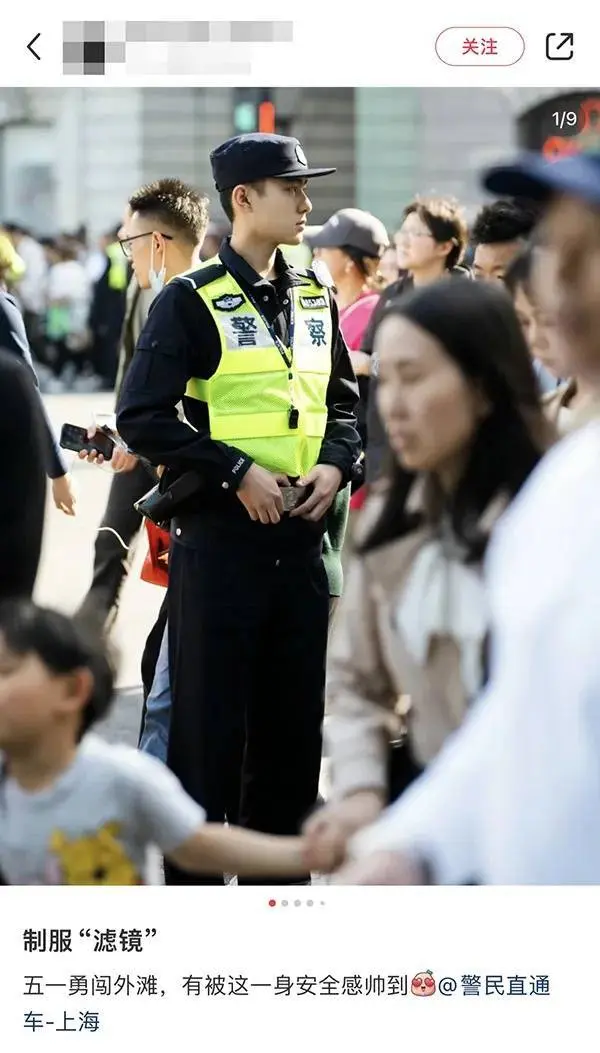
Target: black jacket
<point>13,339</point>
<point>22,479</point>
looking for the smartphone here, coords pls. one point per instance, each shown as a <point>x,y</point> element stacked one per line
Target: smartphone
<point>75,438</point>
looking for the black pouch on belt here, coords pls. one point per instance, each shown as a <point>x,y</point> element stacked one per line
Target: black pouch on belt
<point>159,507</point>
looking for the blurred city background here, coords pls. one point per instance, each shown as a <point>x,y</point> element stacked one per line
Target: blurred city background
<point>71,156</point>
<point>69,161</point>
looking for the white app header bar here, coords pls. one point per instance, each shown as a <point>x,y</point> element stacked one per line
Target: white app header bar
<point>325,45</point>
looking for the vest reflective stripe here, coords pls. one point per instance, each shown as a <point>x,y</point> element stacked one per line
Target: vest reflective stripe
<point>117,271</point>
<point>250,396</point>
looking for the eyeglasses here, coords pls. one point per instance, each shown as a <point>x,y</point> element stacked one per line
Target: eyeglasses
<point>125,243</point>
<point>409,235</point>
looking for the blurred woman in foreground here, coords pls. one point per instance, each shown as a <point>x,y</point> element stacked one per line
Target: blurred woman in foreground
<point>458,396</point>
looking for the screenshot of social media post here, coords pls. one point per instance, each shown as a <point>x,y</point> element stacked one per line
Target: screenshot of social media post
<point>299,616</point>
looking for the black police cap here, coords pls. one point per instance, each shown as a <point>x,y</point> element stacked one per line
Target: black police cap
<point>250,158</point>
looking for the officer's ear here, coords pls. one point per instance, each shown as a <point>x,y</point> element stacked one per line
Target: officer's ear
<point>240,199</point>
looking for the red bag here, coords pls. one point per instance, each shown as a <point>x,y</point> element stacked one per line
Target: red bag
<point>358,498</point>
<point>155,568</point>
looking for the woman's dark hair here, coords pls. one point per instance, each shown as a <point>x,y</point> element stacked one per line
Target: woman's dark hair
<point>63,645</point>
<point>504,221</point>
<point>476,324</point>
<point>518,273</point>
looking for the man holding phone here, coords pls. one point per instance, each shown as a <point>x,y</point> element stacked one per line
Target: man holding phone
<point>163,230</point>
<point>253,350</point>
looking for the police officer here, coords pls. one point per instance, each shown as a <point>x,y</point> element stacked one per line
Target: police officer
<point>107,310</point>
<point>253,349</point>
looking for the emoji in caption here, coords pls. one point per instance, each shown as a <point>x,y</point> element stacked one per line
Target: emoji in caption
<point>423,984</point>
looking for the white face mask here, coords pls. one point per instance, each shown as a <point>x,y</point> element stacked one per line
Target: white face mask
<point>156,278</point>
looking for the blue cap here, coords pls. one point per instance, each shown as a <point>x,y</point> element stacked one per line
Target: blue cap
<point>249,158</point>
<point>534,177</point>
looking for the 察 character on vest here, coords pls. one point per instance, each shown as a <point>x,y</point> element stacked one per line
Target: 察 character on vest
<point>253,351</point>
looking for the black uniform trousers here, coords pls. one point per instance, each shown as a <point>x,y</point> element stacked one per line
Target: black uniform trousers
<point>248,617</point>
<point>111,559</point>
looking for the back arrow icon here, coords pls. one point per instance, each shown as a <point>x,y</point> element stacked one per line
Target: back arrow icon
<point>30,46</point>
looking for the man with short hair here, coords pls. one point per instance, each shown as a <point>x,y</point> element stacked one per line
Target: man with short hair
<point>253,350</point>
<point>499,233</point>
<point>162,232</point>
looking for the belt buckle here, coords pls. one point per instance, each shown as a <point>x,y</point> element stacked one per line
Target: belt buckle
<point>292,497</point>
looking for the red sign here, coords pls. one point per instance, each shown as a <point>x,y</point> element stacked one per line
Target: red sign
<point>587,137</point>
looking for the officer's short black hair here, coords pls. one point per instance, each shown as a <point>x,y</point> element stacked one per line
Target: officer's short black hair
<point>174,205</point>
<point>444,219</point>
<point>504,221</point>
<point>226,198</point>
<point>63,645</point>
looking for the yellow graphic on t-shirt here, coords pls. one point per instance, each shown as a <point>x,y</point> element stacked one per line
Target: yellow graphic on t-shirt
<point>98,859</point>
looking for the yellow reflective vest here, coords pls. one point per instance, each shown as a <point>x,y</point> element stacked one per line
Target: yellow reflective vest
<point>117,270</point>
<point>273,410</point>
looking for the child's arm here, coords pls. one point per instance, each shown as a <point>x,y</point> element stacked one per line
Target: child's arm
<point>214,849</point>
<point>166,816</point>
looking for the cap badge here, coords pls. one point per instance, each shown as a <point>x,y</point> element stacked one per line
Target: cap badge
<point>301,157</point>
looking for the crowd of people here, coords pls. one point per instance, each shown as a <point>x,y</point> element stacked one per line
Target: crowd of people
<point>72,297</point>
<point>348,475</point>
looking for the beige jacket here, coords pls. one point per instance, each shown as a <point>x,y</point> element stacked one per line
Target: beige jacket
<point>373,680</point>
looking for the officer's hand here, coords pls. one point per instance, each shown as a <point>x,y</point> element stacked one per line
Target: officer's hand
<point>260,493</point>
<point>326,480</point>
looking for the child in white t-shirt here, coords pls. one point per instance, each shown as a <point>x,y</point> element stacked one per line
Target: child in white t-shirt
<point>75,810</point>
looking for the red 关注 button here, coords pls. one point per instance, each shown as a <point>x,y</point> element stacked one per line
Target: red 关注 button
<point>480,46</point>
